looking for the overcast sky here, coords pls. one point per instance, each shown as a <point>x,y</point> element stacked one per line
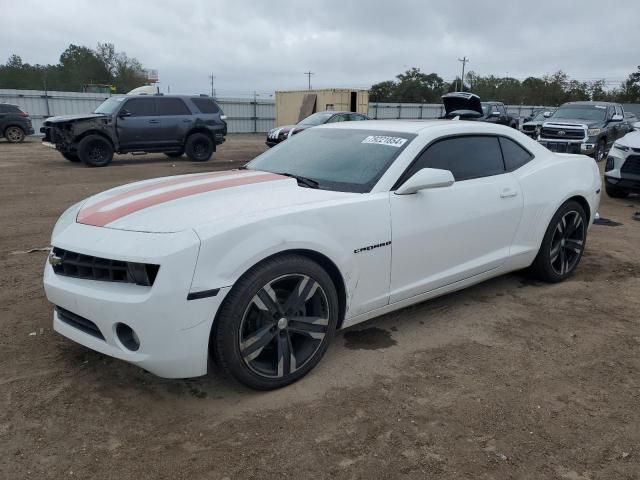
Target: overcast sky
<point>268,45</point>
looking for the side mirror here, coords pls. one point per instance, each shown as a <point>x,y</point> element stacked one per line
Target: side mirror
<point>636,126</point>
<point>124,113</point>
<point>426,178</point>
<point>546,114</point>
<point>617,118</point>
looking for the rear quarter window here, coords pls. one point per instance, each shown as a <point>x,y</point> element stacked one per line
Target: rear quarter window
<point>514,155</point>
<point>206,105</point>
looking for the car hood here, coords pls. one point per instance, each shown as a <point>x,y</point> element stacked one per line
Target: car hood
<point>462,101</point>
<point>287,128</point>
<point>173,204</point>
<point>72,118</point>
<point>631,139</point>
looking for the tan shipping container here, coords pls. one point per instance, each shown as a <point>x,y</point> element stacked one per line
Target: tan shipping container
<point>293,106</point>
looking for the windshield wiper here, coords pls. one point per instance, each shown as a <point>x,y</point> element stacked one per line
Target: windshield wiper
<point>307,182</point>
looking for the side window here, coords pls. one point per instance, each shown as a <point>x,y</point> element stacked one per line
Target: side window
<point>337,118</point>
<point>354,117</point>
<point>502,110</point>
<point>514,155</point>
<point>206,105</point>
<point>619,110</point>
<point>140,107</point>
<point>171,106</point>
<point>466,157</point>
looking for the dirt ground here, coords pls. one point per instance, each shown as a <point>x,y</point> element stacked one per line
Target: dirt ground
<point>509,379</point>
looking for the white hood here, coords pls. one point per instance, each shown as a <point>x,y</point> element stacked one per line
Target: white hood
<point>173,204</point>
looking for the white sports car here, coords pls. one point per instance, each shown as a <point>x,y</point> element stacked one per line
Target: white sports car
<point>258,267</point>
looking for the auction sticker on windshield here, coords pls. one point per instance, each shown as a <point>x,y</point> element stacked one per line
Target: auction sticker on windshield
<point>384,140</point>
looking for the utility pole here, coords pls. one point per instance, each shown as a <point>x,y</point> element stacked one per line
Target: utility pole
<point>464,61</point>
<point>308,74</point>
<point>213,90</point>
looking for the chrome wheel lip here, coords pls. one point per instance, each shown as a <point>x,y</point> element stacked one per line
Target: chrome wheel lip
<point>567,243</point>
<point>280,329</point>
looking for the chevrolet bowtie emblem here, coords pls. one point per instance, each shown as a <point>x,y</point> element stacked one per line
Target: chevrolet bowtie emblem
<point>54,260</point>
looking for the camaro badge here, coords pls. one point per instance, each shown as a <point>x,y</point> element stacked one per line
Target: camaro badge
<point>54,260</point>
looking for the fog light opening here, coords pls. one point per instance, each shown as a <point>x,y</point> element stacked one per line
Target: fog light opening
<point>127,337</point>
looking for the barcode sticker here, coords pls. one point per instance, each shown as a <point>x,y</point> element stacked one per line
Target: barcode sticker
<point>396,142</point>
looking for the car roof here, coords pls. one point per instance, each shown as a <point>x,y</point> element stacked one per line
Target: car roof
<point>415,126</point>
<point>587,102</point>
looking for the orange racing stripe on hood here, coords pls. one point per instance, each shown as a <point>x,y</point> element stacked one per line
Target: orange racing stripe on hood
<point>92,216</point>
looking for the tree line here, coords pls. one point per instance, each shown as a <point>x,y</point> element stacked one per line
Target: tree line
<point>77,68</point>
<point>414,86</point>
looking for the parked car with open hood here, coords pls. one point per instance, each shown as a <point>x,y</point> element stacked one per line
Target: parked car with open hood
<point>622,170</point>
<point>467,106</point>
<point>169,124</point>
<point>277,135</point>
<point>533,125</point>
<point>258,267</point>
<point>589,128</point>
<point>15,124</point>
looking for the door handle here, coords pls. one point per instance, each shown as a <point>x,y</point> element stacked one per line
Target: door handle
<point>508,193</point>
<point>154,121</point>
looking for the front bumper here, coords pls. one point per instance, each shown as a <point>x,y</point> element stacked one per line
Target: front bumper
<point>173,331</point>
<point>627,184</point>
<point>559,146</point>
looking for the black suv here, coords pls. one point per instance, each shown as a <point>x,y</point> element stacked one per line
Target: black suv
<point>467,106</point>
<point>14,123</point>
<point>171,124</point>
<point>584,127</point>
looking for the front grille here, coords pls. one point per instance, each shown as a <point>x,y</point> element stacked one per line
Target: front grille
<point>81,323</point>
<point>569,134</point>
<point>77,265</point>
<point>631,165</point>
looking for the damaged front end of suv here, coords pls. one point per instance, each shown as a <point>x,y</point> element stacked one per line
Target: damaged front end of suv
<point>64,133</point>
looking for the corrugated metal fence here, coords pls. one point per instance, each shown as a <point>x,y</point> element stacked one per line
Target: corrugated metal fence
<point>244,115</point>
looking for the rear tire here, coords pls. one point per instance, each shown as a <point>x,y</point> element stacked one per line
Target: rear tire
<point>72,157</point>
<point>615,192</point>
<point>199,147</point>
<point>562,245</point>
<point>95,151</point>
<point>14,134</point>
<point>276,323</point>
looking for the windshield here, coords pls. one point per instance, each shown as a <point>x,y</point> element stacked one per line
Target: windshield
<point>345,160</point>
<point>487,108</point>
<point>582,112</point>
<point>108,107</point>
<point>316,119</point>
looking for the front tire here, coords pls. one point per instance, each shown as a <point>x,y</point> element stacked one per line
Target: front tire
<point>562,245</point>
<point>14,134</point>
<point>199,147</point>
<point>95,151</point>
<point>276,323</point>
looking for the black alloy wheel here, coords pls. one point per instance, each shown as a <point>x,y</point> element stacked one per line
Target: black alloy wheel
<point>276,323</point>
<point>563,244</point>
<point>567,243</point>
<point>284,326</point>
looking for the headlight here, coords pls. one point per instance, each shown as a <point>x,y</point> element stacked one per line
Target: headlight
<point>592,132</point>
<point>621,147</point>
